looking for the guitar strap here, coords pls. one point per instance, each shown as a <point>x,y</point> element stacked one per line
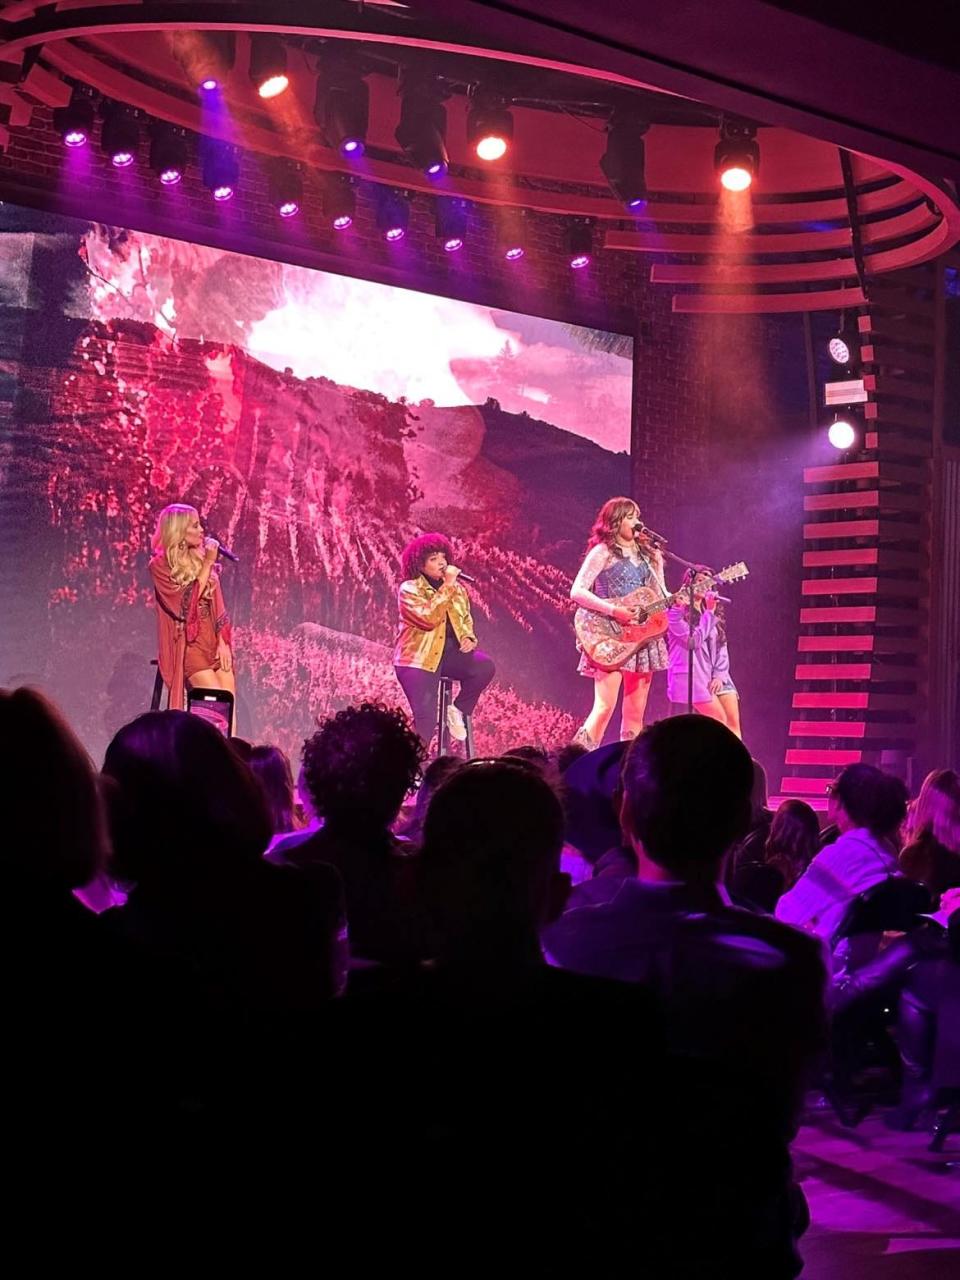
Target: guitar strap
<point>663,591</point>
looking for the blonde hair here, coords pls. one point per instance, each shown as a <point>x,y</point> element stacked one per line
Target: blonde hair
<point>183,562</point>
<point>936,810</point>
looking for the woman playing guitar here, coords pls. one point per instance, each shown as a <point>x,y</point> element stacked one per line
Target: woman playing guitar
<point>618,561</point>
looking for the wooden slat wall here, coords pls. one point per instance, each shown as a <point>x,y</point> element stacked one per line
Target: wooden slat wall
<point>862,669</point>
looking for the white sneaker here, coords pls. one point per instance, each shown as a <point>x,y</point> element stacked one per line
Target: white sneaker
<point>455,725</point>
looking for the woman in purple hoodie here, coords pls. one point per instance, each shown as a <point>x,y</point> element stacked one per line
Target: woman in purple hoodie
<point>714,693</point>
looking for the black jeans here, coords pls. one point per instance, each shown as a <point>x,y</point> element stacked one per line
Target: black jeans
<point>473,670</point>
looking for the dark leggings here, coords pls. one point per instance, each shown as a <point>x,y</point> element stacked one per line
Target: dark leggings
<point>473,670</point>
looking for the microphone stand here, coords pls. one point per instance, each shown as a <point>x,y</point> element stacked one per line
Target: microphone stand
<point>692,571</point>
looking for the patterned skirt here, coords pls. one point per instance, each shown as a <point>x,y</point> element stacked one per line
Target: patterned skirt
<point>649,658</point>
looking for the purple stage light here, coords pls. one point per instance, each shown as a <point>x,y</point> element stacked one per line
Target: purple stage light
<point>170,177</point>
<point>637,204</point>
<point>223,192</point>
<point>210,84</point>
<point>342,222</point>
<point>75,138</point>
<point>437,169</point>
<point>121,159</point>
<point>580,260</point>
<point>394,233</point>
<point>288,209</point>
<point>514,253</point>
<point>352,147</point>
<point>452,244</point>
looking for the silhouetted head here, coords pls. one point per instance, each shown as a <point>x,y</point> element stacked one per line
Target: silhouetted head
<point>686,784</point>
<point>936,810</point>
<point>434,776</point>
<point>758,793</point>
<point>491,855</point>
<point>360,764</point>
<point>52,828</point>
<point>793,840</point>
<point>184,803</point>
<point>931,854</point>
<point>271,768</point>
<point>864,796</point>
<point>569,752</point>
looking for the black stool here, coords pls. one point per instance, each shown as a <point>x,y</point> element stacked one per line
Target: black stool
<point>157,687</point>
<point>445,700</point>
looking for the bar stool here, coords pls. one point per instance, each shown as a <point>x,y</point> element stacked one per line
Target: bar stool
<point>445,700</point>
<point>157,687</point>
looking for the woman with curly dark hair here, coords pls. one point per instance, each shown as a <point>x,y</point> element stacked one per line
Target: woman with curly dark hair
<point>437,637</point>
<point>617,563</point>
<point>357,768</point>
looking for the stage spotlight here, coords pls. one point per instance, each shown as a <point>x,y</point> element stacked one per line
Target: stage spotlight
<point>119,136</point>
<point>422,130</point>
<point>623,162</point>
<point>339,203</point>
<point>489,128</point>
<point>74,123</point>
<point>220,168</point>
<point>580,245</point>
<point>393,214</point>
<point>843,345</point>
<point>342,110</point>
<point>511,245</point>
<point>268,65</point>
<point>737,155</point>
<point>451,223</point>
<point>205,57</point>
<point>511,234</point>
<point>286,190</point>
<point>842,434</point>
<point>168,154</point>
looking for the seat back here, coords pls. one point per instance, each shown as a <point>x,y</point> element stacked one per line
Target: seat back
<point>892,906</point>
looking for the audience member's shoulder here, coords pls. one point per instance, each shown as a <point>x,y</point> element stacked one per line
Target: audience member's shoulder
<point>578,990</point>
<point>795,944</point>
<point>283,847</point>
<point>287,882</point>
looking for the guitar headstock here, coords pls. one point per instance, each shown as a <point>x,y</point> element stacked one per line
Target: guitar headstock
<point>732,573</point>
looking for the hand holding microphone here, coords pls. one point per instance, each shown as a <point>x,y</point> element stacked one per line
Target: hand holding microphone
<point>222,550</point>
<point>451,573</point>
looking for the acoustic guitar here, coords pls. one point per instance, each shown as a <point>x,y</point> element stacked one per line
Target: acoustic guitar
<point>609,644</point>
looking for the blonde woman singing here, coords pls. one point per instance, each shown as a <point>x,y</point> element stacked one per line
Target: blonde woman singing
<point>193,627</point>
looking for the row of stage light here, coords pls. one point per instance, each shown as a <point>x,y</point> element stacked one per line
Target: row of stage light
<point>342,113</point>
<point>219,163</point>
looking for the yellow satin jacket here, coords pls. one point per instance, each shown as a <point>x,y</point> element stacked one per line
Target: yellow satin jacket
<point>423,615</point>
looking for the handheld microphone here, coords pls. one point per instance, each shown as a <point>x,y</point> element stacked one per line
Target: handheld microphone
<point>224,551</point>
<point>465,577</point>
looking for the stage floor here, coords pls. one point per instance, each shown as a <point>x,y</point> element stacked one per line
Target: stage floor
<point>883,1206</point>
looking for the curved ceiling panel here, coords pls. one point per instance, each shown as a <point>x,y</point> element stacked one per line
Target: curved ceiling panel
<point>813,231</point>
